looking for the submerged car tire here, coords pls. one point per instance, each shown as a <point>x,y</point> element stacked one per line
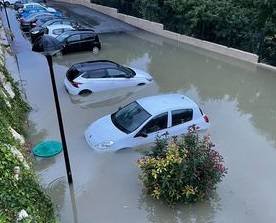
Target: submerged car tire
<point>85,92</point>
<point>95,50</point>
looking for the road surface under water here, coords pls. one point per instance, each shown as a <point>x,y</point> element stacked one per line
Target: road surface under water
<point>238,97</point>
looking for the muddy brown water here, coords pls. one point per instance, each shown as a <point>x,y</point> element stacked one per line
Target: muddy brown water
<point>238,97</point>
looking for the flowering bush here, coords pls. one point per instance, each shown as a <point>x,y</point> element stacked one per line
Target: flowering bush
<point>182,170</point>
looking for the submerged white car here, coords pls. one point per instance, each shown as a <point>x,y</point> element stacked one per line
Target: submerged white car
<point>57,29</point>
<point>141,121</point>
<point>102,75</point>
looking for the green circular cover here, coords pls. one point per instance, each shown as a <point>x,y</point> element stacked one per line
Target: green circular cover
<point>47,149</point>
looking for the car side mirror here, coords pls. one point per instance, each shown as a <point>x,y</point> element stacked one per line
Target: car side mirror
<point>142,134</point>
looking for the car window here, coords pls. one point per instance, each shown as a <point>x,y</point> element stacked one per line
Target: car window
<point>86,36</point>
<point>74,38</point>
<point>62,37</point>
<point>156,124</point>
<point>100,73</point>
<point>66,22</point>
<point>115,73</point>
<point>57,31</point>
<point>55,23</point>
<point>181,116</point>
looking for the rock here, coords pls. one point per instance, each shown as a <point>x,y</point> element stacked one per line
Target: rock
<point>17,136</point>
<point>19,156</point>
<point>16,171</point>
<point>8,88</point>
<point>2,78</point>
<point>22,215</point>
<point>7,103</point>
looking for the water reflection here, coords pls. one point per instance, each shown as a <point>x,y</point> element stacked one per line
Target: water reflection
<point>114,97</point>
<point>201,212</point>
<point>34,135</point>
<point>56,190</point>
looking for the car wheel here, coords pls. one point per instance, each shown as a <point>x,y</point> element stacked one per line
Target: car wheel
<point>95,50</point>
<point>85,92</point>
<point>141,84</point>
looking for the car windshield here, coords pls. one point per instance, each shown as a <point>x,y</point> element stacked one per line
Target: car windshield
<point>129,118</point>
<point>62,36</point>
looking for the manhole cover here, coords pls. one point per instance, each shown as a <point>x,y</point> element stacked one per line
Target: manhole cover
<point>47,149</point>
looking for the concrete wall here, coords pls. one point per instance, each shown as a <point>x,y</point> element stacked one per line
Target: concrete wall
<point>158,29</point>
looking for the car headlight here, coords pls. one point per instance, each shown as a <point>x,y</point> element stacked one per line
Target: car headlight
<point>104,145</point>
<point>35,32</point>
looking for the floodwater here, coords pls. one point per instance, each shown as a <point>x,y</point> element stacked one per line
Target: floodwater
<point>238,97</point>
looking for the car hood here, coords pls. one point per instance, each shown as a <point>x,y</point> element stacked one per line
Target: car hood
<point>103,130</point>
<point>49,9</point>
<point>141,74</point>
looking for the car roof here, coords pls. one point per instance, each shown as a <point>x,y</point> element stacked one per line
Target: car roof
<point>81,31</point>
<point>166,102</point>
<point>33,3</point>
<point>54,26</point>
<point>95,65</point>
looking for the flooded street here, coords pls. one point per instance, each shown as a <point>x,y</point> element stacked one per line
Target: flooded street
<point>238,97</point>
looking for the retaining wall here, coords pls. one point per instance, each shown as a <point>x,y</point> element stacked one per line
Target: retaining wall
<point>158,29</point>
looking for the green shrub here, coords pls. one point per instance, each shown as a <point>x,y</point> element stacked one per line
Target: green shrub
<point>233,23</point>
<point>24,193</point>
<point>182,170</point>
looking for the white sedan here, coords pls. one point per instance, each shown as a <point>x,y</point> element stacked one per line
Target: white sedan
<point>141,121</point>
<point>102,75</point>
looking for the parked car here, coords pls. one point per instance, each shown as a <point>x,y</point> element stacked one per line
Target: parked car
<point>41,27</point>
<point>141,121</point>
<point>80,40</point>
<point>9,2</point>
<point>20,3</point>
<point>29,22</point>
<point>34,5</point>
<point>102,75</point>
<point>58,20</point>
<point>40,21</point>
<point>26,13</point>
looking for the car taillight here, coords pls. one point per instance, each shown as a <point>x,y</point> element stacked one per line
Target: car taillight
<point>206,119</point>
<point>76,84</point>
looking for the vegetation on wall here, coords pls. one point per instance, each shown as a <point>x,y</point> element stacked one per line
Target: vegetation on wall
<point>19,187</point>
<point>249,25</point>
<point>182,170</point>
